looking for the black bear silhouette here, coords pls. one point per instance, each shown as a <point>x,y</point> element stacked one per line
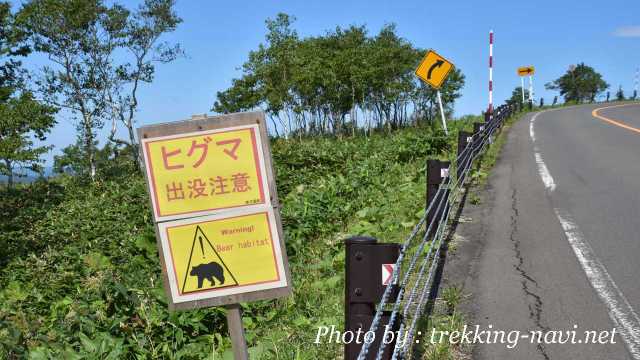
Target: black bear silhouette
<point>208,271</point>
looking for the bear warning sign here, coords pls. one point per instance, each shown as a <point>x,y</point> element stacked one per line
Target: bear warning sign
<point>204,172</point>
<point>214,201</point>
<point>205,263</point>
<point>221,255</point>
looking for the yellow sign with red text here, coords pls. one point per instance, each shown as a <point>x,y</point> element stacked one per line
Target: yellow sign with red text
<point>204,172</point>
<point>220,255</point>
<point>215,207</point>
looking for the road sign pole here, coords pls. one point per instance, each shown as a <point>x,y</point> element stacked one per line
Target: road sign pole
<point>522,87</point>
<point>490,109</point>
<point>531,88</point>
<point>636,82</point>
<point>434,70</point>
<point>444,122</point>
<point>236,331</point>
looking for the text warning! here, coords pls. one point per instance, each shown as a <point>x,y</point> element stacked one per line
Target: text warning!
<point>227,254</point>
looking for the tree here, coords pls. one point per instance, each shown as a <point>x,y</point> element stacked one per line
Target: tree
<point>335,83</point>
<point>268,76</point>
<point>79,38</point>
<point>12,46</point>
<point>516,96</point>
<point>22,118</point>
<point>141,40</point>
<point>580,83</point>
<point>425,97</point>
<point>109,161</point>
<point>620,94</point>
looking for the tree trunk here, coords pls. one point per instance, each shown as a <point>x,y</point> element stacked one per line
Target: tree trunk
<point>137,160</point>
<point>10,176</point>
<point>88,146</point>
<point>275,125</point>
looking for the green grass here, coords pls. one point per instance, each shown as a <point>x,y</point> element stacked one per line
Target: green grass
<point>80,276</point>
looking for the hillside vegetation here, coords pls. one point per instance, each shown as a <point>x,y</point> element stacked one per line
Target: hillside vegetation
<point>80,275</point>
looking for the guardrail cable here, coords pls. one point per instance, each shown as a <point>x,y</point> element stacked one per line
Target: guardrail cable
<point>426,252</point>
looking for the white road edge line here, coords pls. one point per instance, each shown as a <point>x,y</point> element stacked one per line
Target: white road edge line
<point>532,133</point>
<point>620,311</point>
<point>547,179</point>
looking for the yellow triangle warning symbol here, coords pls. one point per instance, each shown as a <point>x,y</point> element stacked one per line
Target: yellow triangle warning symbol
<point>205,268</point>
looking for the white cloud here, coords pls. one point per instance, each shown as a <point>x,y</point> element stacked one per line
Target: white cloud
<point>627,31</point>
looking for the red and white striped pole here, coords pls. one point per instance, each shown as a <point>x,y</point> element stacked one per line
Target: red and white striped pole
<point>490,110</point>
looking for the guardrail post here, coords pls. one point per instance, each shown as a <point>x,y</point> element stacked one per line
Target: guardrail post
<point>437,171</point>
<point>478,136</point>
<point>464,139</point>
<point>366,263</point>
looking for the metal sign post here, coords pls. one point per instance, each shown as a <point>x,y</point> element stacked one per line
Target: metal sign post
<point>433,70</point>
<point>236,332</point>
<point>444,121</point>
<point>490,109</point>
<point>636,81</point>
<point>526,71</point>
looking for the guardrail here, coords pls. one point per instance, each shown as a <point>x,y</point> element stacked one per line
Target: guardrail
<point>401,303</point>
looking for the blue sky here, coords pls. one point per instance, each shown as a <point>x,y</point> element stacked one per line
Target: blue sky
<point>551,35</point>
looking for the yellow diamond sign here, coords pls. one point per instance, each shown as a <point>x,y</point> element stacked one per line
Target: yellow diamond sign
<point>434,69</point>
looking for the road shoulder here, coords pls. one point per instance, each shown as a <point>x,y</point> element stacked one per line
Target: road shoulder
<point>513,263</point>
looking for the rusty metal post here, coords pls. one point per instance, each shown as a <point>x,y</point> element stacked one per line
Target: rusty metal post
<point>437,171</point>
<point>478,135</point>
<point>478,127</point>
<point>236,332</point>
<point>464,140</point>
<point>364,260</point>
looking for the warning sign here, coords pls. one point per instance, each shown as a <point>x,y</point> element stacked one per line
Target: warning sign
<point>204,263</point>
<point>434,69</point>
<point>214,201</point>
<point>387,274</point>
<point>526,71</point>
<point>199,173</point>
<point>221,255</point>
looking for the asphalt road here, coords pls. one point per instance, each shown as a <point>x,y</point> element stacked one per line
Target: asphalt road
<point>555,242</point>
